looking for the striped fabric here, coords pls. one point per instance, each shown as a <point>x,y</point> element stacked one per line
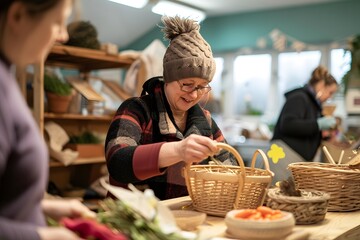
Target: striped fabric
<point>139,128</point>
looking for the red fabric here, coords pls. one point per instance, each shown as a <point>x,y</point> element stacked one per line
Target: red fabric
<point>145,161</point>
<point>88,228</point>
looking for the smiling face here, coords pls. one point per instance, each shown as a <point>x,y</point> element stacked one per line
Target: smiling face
<point>181,101</point>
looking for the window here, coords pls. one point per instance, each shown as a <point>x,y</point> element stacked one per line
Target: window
<point>295,69</point>
<point>257,80</point>
<point>216,82</point>
<point>252,75</point>
<point>340,63</point>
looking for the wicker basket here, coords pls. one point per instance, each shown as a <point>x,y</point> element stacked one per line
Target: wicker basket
<point>310,208</point>
<point>341,182</point>
<point>217,189</point>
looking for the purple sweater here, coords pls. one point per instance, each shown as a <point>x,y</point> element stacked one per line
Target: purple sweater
<point>23,164</point>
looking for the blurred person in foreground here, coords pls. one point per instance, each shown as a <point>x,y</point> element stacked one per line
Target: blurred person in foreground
<point>151,137</point>
<point>28,29</point>
<point>301,122</point>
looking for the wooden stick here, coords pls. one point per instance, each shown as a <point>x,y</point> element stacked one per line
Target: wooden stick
<point>328,155</point>
<point>341,156</point>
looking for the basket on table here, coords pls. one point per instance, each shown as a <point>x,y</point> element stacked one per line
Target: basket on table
<point>340,181</point>
<point>310,208</point>
<point>217,189</point>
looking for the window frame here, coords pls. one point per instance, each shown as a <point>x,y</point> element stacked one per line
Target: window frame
<point>228,105</point>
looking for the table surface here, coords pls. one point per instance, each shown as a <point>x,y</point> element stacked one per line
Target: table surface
<point>336,225</point>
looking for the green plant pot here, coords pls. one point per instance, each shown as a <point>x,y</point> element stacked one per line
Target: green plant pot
<point>58,103</point>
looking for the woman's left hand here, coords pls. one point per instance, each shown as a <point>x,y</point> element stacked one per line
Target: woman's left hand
<point>59,208</point>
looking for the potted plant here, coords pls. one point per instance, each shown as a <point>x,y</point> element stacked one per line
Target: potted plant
<point>87,144</point>
<point>58,93</point>
<point>352,77</point>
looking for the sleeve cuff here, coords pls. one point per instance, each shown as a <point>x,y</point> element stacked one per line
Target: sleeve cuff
<point>145,161</point>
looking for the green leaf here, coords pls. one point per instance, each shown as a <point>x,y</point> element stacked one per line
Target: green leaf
<point>54,84</point>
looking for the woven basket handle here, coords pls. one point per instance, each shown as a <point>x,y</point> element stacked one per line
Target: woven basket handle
<point>242,169</point>
<point>235,153</point>
<point>265,159</point>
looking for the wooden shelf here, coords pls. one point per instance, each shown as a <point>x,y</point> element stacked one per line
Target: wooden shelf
<point>83,171</point>
<point>79,161</point>
<point>84,59</point>
<point>71,116</point>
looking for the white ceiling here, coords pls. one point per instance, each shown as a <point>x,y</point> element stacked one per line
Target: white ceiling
<point>121,24</point>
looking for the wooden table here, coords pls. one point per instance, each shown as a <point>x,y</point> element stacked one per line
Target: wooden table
<point>336,225</point>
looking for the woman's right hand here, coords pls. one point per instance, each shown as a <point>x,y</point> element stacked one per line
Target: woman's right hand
<point>326,123</point>
<point>57,233</point>
<point>196,148</point>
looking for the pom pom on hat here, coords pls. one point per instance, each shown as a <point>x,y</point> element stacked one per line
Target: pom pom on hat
<point>188,54</point>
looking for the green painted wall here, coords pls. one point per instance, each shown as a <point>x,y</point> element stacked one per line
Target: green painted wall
<point>312,24</point>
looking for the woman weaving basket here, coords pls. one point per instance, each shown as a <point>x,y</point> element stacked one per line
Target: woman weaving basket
<point>151,137</point>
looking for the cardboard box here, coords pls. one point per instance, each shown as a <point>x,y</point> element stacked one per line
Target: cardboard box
<point>88,150</point>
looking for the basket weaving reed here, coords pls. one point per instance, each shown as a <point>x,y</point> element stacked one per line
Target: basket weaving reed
<point>310,208</point>
<point>340,181</point>
<point>217,189</point>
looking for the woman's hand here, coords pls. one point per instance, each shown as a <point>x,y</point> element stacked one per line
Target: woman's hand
<point>57,233</point>
<point>59,208</point>
<point>196,148</point>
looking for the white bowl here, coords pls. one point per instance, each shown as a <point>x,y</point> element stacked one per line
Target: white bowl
<point>188,220</point>
<point>259,229</point>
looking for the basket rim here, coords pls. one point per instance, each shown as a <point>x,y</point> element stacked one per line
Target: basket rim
<point>310,165</point>
<point>214,176</point>
<point>324,196</point>
<point>228,174</point>
<point>198,166</point>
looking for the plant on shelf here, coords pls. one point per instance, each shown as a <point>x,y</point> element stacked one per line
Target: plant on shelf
<point>85,138</point>
<point>58,93</point>
<point>55,85</point>
<point>352,77</point>
<point>87,144</point>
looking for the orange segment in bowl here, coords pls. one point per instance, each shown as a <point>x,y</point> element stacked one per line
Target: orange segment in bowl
<point>259,213</point>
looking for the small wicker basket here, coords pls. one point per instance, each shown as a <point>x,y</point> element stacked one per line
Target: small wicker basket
<point>217,189</point>
<point>340,181</point>
<point>310,208</point>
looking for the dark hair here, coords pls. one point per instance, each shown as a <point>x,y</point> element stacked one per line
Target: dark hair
<point>321,74</point>
<point>34,6</point>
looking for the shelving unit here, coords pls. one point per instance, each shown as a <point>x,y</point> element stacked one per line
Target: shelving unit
<point>83,170</point>
<point>72,116</point>
<point>79,161</point>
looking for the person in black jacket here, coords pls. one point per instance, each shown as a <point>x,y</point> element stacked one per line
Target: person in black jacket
<point>301,121</point>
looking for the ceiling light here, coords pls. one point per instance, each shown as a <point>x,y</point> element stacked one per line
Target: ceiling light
<point>132,3</point>
<point>172,9</point>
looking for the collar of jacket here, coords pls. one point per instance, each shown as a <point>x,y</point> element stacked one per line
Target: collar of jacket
<point>311,91</point>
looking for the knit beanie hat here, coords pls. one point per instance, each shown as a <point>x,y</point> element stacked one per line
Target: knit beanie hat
<point>188,54</point>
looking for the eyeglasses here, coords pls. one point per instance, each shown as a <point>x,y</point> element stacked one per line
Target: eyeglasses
<point>189,88</point>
